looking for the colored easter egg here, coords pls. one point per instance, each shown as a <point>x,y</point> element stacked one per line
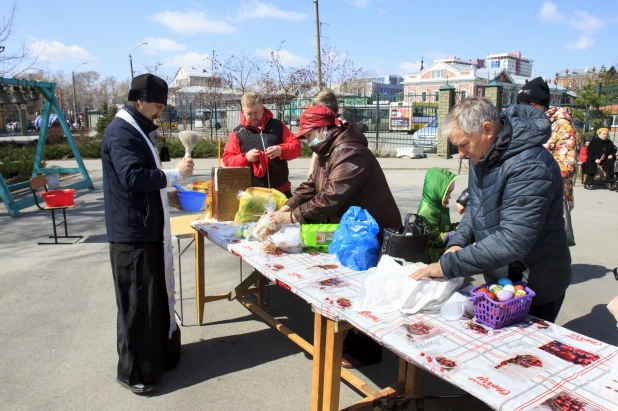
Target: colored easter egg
<point>520,287</point>
<point>509,287</point>
<point>505,281</point>
<point>505,295</point>
<point>520,293</point>
<point>495,288</point>
<point>491,296</point>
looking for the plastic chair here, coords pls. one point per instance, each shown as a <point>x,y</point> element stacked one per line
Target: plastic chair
<point>41,182</point>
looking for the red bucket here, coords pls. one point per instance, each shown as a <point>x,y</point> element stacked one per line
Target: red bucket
<point>58,198</point>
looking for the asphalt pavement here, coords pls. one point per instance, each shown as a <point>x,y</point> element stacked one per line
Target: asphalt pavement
<point>58,313</point>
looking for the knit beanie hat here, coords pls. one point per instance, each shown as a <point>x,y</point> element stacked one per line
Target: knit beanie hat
<point>535,91</point>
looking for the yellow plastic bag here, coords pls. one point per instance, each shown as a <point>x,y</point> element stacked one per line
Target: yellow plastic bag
<point>257,200</point>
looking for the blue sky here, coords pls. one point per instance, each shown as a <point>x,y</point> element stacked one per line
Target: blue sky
<point>387,36</point>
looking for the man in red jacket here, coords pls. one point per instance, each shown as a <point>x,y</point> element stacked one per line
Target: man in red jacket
<point>263,143</point>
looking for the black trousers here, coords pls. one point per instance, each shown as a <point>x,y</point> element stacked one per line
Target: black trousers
<point>608,167</point>
<point>144,350</point>
<point>589,179</point>
<point>548,311</point>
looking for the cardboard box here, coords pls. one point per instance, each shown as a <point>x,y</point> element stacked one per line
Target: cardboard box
<point>226,183</point>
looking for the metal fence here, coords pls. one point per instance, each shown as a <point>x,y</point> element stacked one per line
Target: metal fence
<point>388,121</point>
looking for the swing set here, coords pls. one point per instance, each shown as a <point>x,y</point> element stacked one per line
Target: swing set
<point>14,91</point>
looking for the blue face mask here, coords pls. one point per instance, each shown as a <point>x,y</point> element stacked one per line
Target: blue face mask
<point>317,140</point>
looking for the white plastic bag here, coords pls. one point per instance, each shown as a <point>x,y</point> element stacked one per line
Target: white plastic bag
<point>288,239</point>
<point>388,288</point>
<point>431,294</point>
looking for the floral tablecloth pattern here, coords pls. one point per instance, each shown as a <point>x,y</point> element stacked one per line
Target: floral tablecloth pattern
<point>529,366</point>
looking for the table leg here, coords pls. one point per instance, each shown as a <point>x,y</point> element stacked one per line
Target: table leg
<point>182,315</point>
<point>413,380</point>
<point>261,284</point>
<point>403,369</point>
<point>332,367</point>
<point>319,340</point>
<point>199,276</point>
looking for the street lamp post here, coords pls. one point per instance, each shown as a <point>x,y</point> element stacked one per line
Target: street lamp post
<point>74,98</point>
<point>131,58</point>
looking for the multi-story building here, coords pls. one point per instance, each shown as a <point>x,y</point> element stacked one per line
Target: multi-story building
<point>468,79</point>
<point>512,61</point>
<point>575,78</point>
<point>187,77</point>
<point>385,86</point>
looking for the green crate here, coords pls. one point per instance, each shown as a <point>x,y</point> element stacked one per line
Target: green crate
<point>318,236</point>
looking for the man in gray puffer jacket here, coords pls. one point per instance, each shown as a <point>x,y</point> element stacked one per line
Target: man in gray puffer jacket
<point>514,225</point>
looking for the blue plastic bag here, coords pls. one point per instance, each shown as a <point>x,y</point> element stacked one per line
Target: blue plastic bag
<point>355,242</point>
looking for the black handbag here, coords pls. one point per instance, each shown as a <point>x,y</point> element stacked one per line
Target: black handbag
<point>410,242</point>
<point>164,154</point>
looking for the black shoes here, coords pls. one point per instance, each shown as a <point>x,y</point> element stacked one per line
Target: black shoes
<point>138,388</point>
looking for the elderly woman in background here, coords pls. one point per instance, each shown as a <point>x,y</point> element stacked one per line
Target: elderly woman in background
<point>601,152</point>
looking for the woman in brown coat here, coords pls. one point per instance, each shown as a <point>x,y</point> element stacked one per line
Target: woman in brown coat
<point>346,174</point>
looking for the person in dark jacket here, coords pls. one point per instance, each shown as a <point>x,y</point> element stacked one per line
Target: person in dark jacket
<point>601,152</point>
<point>346,174</point>
<point>514,224</point>
<point>138,231</point>
<point>263,143</point>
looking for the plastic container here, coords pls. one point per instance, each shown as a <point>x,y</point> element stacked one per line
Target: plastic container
<point>318,236</point>
<point>496,314</point>
<point>58,198</point>
<point>206,188</point>
<point>192,200</point>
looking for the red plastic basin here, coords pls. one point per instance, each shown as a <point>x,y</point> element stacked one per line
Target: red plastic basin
<point>58,198</point>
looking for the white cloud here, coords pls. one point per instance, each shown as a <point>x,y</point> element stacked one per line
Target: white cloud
<point>56,52</point>
<point>192,22</point>
<point>287,59</point>
<point>359,3</point>
<point>586,23</point>
<point>580,21</point>
<point>549,13</point>
<point>381,11</point>
<point>585,42</point>
<point>188,60</point>
<point>255,9</point>
<point>162,44</point>
<point>409,67</point>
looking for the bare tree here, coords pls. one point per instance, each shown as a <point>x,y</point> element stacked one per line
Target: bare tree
<point>239,73</point>
<point>291,81</point>
<point>14,60</point>
<point>340,73</point>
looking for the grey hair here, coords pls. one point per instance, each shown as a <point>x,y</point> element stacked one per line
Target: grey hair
<point>469,115</point>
